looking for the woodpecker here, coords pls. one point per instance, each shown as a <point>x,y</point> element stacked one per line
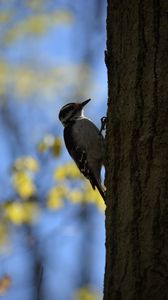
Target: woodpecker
<point>84,142</point>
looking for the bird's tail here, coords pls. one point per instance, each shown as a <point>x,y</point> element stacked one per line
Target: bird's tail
<point>101,191</point>
<point>97,184</point>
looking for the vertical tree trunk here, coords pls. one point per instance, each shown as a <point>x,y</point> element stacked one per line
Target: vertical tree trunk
<point>137,151</point>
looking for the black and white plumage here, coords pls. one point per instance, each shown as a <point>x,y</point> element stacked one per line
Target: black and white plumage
<point>84,142</point>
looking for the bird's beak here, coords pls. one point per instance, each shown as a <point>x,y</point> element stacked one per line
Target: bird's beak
<point>82,104</point>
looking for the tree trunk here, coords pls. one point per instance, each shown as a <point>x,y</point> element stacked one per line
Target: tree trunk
<point>137,151</point>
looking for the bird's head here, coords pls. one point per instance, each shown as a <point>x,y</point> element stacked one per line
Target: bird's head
<point>71,112</point>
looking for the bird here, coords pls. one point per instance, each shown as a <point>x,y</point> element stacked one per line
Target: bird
<point>84,142</point>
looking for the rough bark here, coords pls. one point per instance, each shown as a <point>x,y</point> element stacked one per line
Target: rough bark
<point>137,151</point>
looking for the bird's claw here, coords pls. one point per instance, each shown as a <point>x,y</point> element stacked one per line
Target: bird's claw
<point>103,124</point>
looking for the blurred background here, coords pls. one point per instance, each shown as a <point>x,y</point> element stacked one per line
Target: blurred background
<point>51,222</point>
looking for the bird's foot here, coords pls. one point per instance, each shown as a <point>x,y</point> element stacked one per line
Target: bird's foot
<point>103,124</point>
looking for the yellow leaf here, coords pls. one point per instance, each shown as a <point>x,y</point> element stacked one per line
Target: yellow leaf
<point>68,170</point>
<point>31,212</point>
<point>56,148</point>
<point>93,196</point>
<point>3,77</point>
<point>24,82</point>
<point>42,147</point>
<point>86,293</point>
<point>5,283</point>
<point>23,184</point>
<point>62,17</point>
<point>5,17</point>
<point>19,213</point>
<point>100,204</point>
<point>50,142</point>
<point>34,4</point>
<point>46,143</point>
<point>37,24</point>
<point>31,164</point>
<point>54,203</point>
<point>76,196</point>
<point>60,173</point>
<point>33,24</point>
<point>3,234</point>
<point>56,196</point>
<point>15,213</point>
<point>12,34</point>
<point>26,163</point>
<point>28,82</point>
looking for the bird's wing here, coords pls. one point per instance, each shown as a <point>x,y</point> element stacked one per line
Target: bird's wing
<point>78,154</point>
